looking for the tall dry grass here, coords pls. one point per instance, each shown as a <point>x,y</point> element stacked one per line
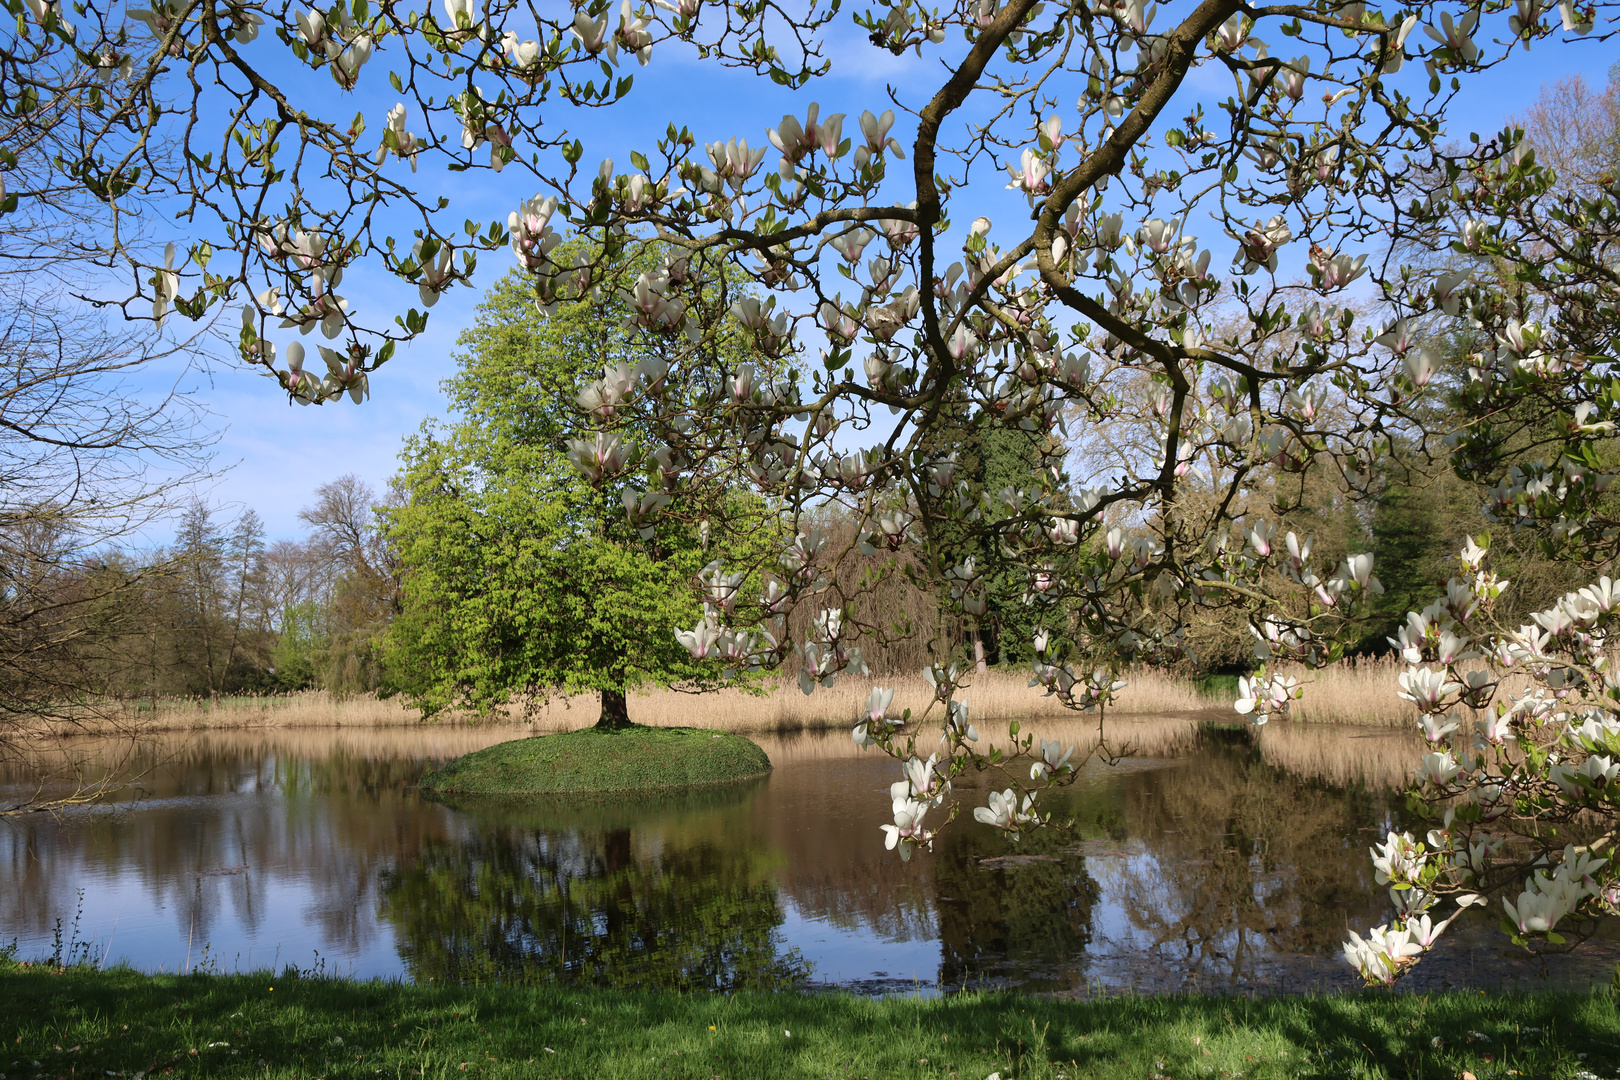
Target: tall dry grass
<point>994,696</point>
<point>1354,692</point>
<point>311,708</point>
<point>1362,693</point>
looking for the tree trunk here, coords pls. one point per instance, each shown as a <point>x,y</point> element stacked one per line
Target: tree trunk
<point>978,654</point>
<point>615,712</point>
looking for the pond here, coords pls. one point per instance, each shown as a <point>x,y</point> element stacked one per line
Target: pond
<point>1209,858</point>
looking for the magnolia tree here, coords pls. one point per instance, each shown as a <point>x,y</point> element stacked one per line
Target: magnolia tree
<point>1100,303</point>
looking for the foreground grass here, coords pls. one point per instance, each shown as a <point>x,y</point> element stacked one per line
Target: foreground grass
<point>80,1022</point>
<point>595,760</point>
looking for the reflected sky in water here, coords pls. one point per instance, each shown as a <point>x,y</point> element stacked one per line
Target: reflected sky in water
<point>1211,859</point>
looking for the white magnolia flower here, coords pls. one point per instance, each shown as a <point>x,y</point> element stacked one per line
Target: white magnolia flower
<point>956,723</point>
<point>1455,35</point>
<point>1251,698</point>
<point>1054,759</point>
<point>460,14</point>
<point>396,140</point>
<point>1004,811</point>
<point>907,829</point>
<point>1435,728</point>
<point>312,27</point>
<point>347,61</point>
<point>435,272</point>
<point>1398,860</point>
<point>165,286</point>
<point>700,641</point>
<point>1439,769</point>
<point>1340,270</point>
<point>1426,687</point>
<point>605,455</point>
<point>1382,955</point>
<point>1537,913</point>
<point>921,782</point>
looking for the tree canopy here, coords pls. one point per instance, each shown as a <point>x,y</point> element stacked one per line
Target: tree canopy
<point>520,577</point>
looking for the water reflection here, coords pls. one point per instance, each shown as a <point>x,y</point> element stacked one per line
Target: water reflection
<point>667,894</point>
<point>1212,859</point>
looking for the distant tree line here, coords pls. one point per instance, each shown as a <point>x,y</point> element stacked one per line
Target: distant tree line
<point>221,611</point>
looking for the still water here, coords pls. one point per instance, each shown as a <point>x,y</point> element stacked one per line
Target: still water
<point>1207,859</point>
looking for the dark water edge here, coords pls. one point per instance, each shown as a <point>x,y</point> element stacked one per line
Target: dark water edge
<point>1211,861</point>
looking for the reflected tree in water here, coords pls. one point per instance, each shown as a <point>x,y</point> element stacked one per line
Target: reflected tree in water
<point>610,907</point>
<point>1027,915</point>
<point>1249,861</point>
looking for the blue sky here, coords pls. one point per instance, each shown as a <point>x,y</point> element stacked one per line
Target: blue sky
<point>273,455</point>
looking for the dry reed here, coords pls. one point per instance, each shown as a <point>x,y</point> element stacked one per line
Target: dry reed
<point>994,696</point>
<point>1361,692</point>
<point>1354,692</point>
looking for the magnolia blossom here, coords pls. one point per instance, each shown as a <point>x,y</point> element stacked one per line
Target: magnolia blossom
<point>1426,687</point>
<point>1536,912</point>
<point>794,139</point>
<point>1383,955</point>
<point>1438,769</point>
<point>165,286</point>
<point>1029,175</point>
<point>1435,729</point>
<point>720,588</point>
<point>348,60</point>
<point>956,723</point>
<point>1339,271</point>
<point>875,129</point>
<point>344,375</point>
<point>1455,36</point>
<point>1054,759</point>
<point>605,455</point>
<point>302,385</point>
<point>700,641</point>
<point>436,271</point>
<point>1260,537</point>
<point>907,829</point>
<point>396,140</point>
<point>1003,811</point>
<point>920,782</point>
<point>311,27</point>
<point>877,704</point>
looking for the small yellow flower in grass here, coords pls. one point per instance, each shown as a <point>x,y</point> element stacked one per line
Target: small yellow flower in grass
<point>711,1027</point>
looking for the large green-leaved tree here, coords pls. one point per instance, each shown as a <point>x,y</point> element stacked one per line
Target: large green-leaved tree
<point>521,578</point>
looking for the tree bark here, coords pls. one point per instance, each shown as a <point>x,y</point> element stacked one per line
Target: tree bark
<point>615,712</point>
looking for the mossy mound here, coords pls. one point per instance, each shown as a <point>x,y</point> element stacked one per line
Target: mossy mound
<point>592,760</point>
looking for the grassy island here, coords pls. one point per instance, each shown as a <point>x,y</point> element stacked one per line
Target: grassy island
<point>596,760</point>
<point>82,1022</point>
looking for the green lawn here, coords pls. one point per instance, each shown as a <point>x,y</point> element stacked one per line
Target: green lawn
<point>82,1023</point>
<point>593,760</point>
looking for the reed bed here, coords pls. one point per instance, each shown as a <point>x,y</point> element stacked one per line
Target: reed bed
<point>991,697</point>
<point>1363,692</point>
<point>1353,692</point>
<point>309,708</point>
